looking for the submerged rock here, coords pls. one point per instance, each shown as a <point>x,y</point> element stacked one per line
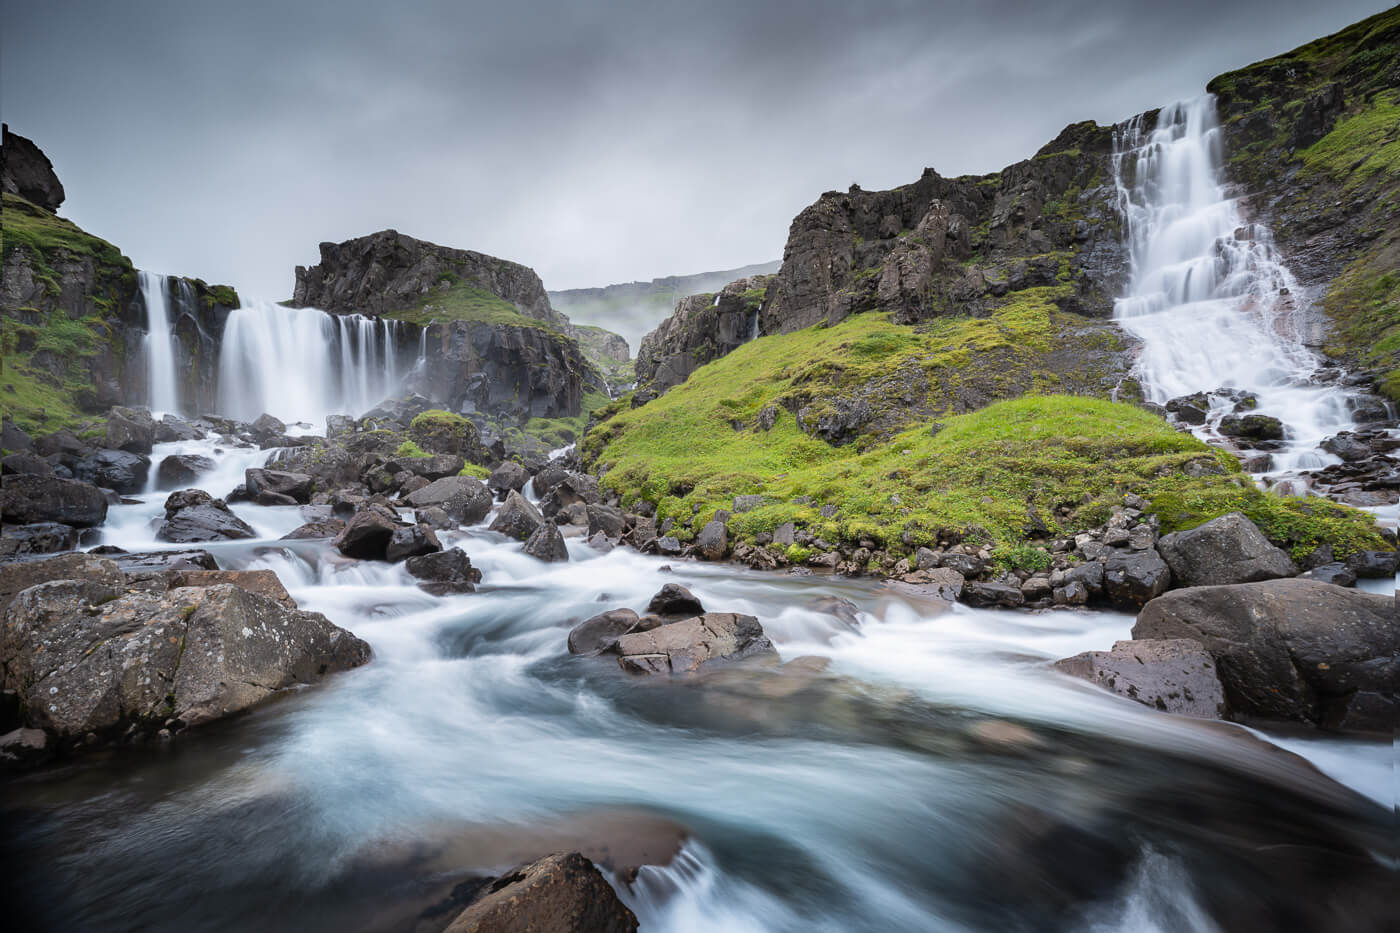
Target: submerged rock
<point>558,894</point>
<point>1173,675</point>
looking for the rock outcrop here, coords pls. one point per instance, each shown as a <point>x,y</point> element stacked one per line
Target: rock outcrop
<point>31,498</point>
<point>558,893</point>
<point>1172,675</point>
<point>1228,549</point>
<point>703,327</point>
<point>27,172</point>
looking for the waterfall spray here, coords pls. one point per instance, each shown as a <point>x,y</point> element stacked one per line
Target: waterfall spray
<point>162,393</point>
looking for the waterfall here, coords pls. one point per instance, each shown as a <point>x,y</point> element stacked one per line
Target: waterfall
<point>159,344</point>
<point>1209,294</point>
<point>302,364</point>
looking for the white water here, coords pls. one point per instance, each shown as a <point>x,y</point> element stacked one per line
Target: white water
<point>163,395</point>
<point>1209,295</point>
<point>303,364</point>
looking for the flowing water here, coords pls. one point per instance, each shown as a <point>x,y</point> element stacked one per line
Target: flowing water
<point>937,777</point>
<point>162,394</point>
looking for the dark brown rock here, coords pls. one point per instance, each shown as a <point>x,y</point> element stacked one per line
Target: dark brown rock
<point>675,600</point>
<point>695,644</point>
<point>1172,675</point>
<point>558,894</point>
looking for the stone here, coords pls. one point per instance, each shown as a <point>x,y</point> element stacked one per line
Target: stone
<point>993,595</point>
<point>547,544</point>
<point>1374,565</point>
<point>117,470</point>
<point>1228,549</point>
<point>434,517</point>
<point>1252,427</point>
<point>263,582</point>
<point>600,542</point>
<point>925,559</point>
<point>445,433</point>
<point>785,534</point>
<point>675,600</point>
<point>695,644</point>
<point>28,499</point>
<point>151,563</point>
<point>465,498</point>
<point>1291,649</point>
<point>38,538</point>
<point>1132,578</point>
<point>339,426</point>
<point>179,471</point>
<point>24,748</point>
<point>606,519</point>
<point>130,429</point>
<point>601,632</point>
<point>445,572</point>
<point>1174,675</point>
<point>171,428</point>
<point>368,533</point>
<point>294,486</point>
<point>1088,575</point>
<point>508,477</point>
<point>1336,573</point>
<point>562,893</point>
<point>573,489</point>
<point>19,463</point>
<point>966,564</point>
<point>432,468</point>
<point>713,541</point>
<point>13,438</point>
<point>192,516</point>
<point>21,575</point>
<point>28,173</point>
<point>266,427</point>
<point>517,517</point>
<point>88,660</point>
<point>1073,593</point>
<point>324,528</point>
<point>1036,587</point>
<point>668,545</point>
<point>748,503</point>
<point>411,541</point>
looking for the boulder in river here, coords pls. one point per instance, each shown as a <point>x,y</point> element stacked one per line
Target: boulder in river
<point>118,470</point>
<point>1252,427</point>
<point>294,486</point>
<point>1174,675</point>
<point>1228,549</point>
<point>322,528</point>
<point>547,544</point>
<point>1374,565</point>
<point>690,645</point>
<point>87,659</point>
<point>411,541</point>
<point>465,498</point>
<point>178,471</point>
<point>130,429</point>
<point>675,600</point>
<point>192,516</point>
<point>27,499</point>
<point>445,572</point>
<point>368,533</point>
<point>508,477</point>
<point>1291,649</point>
<point>517,517</point>
<point>562,893</point>
<point>601,632</point>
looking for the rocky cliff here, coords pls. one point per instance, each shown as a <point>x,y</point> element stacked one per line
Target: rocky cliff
<point>704,327</point>
<point>27,172</point>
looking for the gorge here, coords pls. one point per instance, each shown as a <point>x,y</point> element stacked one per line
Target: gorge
<point>1018,553</point>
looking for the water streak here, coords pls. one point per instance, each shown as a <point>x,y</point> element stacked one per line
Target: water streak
<point>159,345</point>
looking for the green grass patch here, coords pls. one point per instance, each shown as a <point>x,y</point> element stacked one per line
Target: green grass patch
<point>474,469</point>
<point>1361,145</point>
<point>560,432</point>
<point>1364,304</point>
<point>409,450</point>
<point>463,300</point>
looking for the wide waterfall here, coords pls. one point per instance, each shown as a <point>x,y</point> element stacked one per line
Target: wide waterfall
<point>159,344</point>
<point>1209,296</point>
<point>303,364</point>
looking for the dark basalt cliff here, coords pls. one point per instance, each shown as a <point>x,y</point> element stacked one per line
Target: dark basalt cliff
<point>703,328</point>
<point>27,172</point>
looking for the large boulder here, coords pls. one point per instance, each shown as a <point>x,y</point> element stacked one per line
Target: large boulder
<point>148,563</point>
<point>606,519</point>
<point>178,471</point>
<point>443,432</point>
<point>1174,675</point>
<point>116,470</point>
<point>547,544</point>
<point>691,645</point>
<point>131,429</point>
<point>1224,550</point>
<point>266,428</point>
<point>262,582</point>
<point>572,488</point>
<point>601,632</point>
<point>27,172</point>
<point>86,659</point>
<point>192,516</point>
<point>28,498</point>
<point>411,541</point>
<point>39,538</point>
<point>444,572</point>
<point>21,575</point>
<point>367,535</point>
<point>675,600</point>
<point>18,463</point>
<point>509,476</point>
<point>465,498</point>
<point>517,517</point>
<point>1291,649</point>
<point>1131,578</point>
<point>558,894</point>
<point>712,543</point>
<point>280,483</point>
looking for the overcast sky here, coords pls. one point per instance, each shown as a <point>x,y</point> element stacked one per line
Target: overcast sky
<point>597,142</point>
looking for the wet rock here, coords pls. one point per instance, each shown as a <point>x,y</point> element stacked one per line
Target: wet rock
<point>432,468</point>
<point>171,428</point>
<point>1228,549</point>
<point>601,632</point>
<point>695,644</point>
<point>465,498</point>
<point>192,516</point>
<point>668,546</point>
<point>325,528</point>
<point>434,517</point>
<point>88,660</point>
<point>573,489</point>
<point>19,463</point>
<point>547,544</point>
<point>1072,593</point>
<point>148,563</point>
<point>368,533</point>
<point>445,572</point>
<point>558,893</point>
<point>713,541</point>
<point>1172,675</point>
<point>1252,427</point>
<point>1291,649</point>
<point>675,600</point>
<point>517,518</point>
<point>1374,565</point>
<point>38,538</point>
<point>600,542</point>
<point>179,471</point>
<point>266,427</point>
<point>1133,578</point>
<point>262,582</point>
<point>1336,573</point>
<point>28,499</point>
<point>118,470</point>
<point>942,583</point>
<point>606,519</point>
<point>20,575</point>
<point>993,595</point>
<point>411,541</point>
<point>550,475</point>
<point>130,429</point>
<point>508,477</point>
<point>294,486</point>
<point>1350,447</point>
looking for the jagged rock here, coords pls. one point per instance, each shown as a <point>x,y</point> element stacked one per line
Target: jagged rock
<point>38,538</point>
<point>600,633</point>
<point>192,515</point>
<point>266,427</point>
<point>549,476</point>
<point>131,429</point>
<point>695,644</point>
<point>411,541</point>
<point>605,519</point>
<point>117,470</point>
<point>445,572</point>
<point>547,544</point>
<point>465,498</point>
<point>508,477</point>
<point>969,565</point>
<point>1132,578</point>
<point>262,582</point>
<point>294,486</point>
<point>1228,549</point>
<point>675,600</point>
<point>572,488</point>
<point>28,173</point>
<point>178,471</point>
<point>713,541</point>
<point>517,518</point>
<point>702,328</point>
<point>434,517</point>
<point>559,893</point>
<point>87,659</point>
<point>323,528</point>
<point>1173,675</point>
<point>1291,649</point>
<point>28,499</point>
<point>368,533</point>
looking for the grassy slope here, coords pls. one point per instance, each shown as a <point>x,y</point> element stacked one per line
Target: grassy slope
<point>465,301</point>
<point>1058,461</point>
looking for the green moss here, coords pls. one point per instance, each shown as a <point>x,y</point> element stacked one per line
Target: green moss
<point>466,301</point>
<point>1364,305</point>
<point>560,432</point>
<point>409,450</point>
<point>29,226</point>
<point>475,469</point>
<point>1363,144</point>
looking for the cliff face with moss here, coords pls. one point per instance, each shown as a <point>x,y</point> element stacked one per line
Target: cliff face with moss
<point>1313,140</point>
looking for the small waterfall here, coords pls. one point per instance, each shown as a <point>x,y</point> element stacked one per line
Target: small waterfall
<point>302,364</point>
<point>162,392</point>
<point>1209,295</point>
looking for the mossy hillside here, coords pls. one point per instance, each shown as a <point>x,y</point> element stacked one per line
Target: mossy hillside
<point>463,300</point>
<point>560,432</point>
<point>1014,470</point>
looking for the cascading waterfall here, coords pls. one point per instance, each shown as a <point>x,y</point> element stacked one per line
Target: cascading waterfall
<point>302,364</point>
<point>1209,296</point>
<point>162,389</point>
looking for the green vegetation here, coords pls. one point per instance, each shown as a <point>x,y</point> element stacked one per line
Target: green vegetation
<point>465,301</point>
<point>474,469</point>
<point>1361,145</point>
<point>560,432</point>
<point>1364,302</point>
<point>409,450</point>
<point>29,226</point>
<point>1057,462</point>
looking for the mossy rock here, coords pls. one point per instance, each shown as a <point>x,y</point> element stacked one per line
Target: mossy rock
<point>442,432</point>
